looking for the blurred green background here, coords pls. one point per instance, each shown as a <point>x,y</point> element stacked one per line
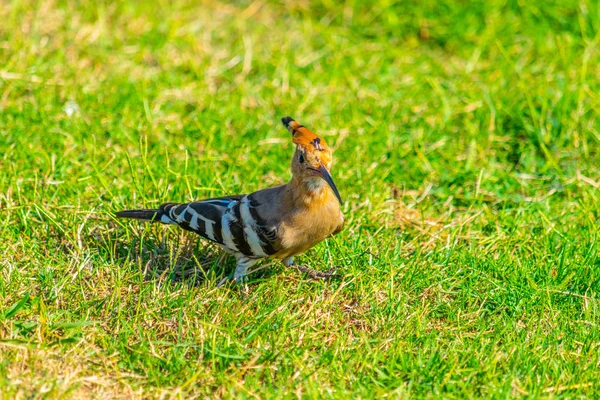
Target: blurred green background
<point>466,143</point>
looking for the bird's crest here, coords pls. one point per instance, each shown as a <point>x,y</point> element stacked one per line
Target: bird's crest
<point>302,136</point>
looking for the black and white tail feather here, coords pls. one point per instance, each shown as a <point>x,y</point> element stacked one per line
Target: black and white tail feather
<point>232,222</point>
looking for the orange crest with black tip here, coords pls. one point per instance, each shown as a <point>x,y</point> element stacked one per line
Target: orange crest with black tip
<point>302,136</point>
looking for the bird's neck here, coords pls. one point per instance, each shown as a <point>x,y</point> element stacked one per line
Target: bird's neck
<point>310,192</point>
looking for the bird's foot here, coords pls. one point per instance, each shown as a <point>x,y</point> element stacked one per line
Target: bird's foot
<point>314,274</point>
<point>223,281</point>
<point>240,280</point>
<point>240,275</point>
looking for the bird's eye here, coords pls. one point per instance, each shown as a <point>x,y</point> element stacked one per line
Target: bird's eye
<point>301,158</point>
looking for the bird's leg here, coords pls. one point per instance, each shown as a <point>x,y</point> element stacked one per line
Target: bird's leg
<point>241,271</point>
<point>312,273</point>
<point>240,274</point>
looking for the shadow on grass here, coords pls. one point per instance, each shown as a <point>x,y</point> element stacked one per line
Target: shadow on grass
<point>170,255</point>
<point>159,252</point>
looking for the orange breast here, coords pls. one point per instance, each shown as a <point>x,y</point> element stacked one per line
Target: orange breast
<point>308,227</point>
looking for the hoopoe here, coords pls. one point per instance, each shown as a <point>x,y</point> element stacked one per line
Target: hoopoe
<point>279,222</point>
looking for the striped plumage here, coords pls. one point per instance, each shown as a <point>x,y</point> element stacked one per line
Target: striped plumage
<point>277,222</point>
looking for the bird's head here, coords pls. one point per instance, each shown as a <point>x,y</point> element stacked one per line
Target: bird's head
<point>312,159</point>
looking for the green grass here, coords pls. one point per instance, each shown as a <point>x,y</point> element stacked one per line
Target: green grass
<point>467,141</point>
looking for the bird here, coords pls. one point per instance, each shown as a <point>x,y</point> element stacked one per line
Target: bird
<point>279,222</point>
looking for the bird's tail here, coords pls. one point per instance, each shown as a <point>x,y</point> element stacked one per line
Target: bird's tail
<point>160,214</point>
<point>147,215</point>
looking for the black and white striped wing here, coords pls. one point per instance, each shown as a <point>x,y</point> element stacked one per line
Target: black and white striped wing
<point>232,222</point>
<point>203,217</point>
<point>249,232</point>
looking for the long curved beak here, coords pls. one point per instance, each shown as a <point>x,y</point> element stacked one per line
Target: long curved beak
<point>327,176</point>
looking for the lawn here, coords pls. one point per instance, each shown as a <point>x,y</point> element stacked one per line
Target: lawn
<point>467,148</point>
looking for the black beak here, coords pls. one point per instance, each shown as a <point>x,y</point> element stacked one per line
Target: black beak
<point>327,176</point>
